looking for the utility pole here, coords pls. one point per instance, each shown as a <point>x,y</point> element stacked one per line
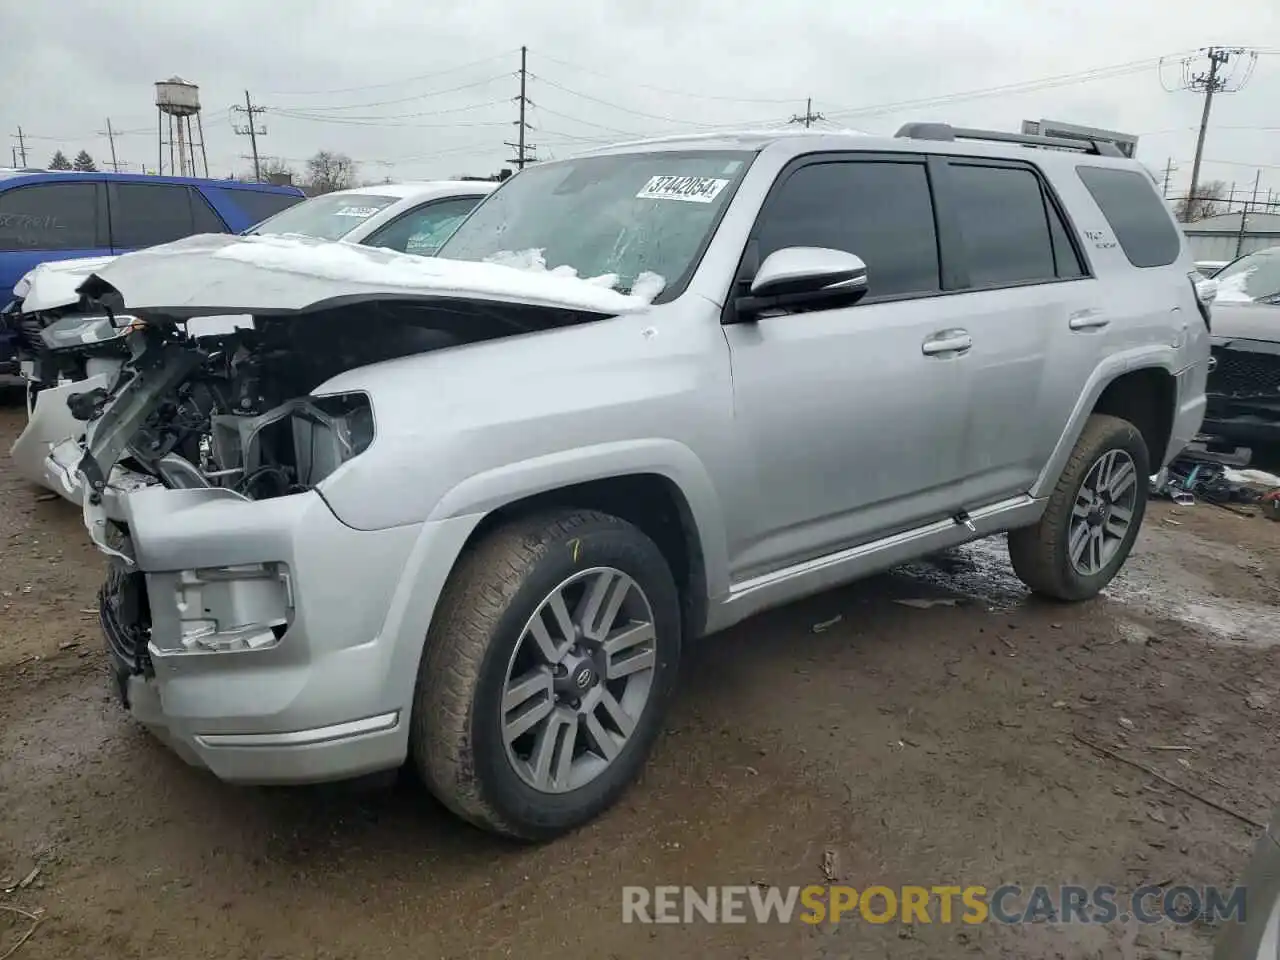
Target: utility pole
<point>523,150</point>
<point>251,129</point>
<point>22,147</point>
<point>1244,214</point>
<point>1217,79</point>
<point>809,116</point>
<point>1168,172</point>
<point>111,138</point>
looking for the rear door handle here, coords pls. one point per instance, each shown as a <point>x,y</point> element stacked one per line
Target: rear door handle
<point>947,343</point>
<point>1087,320</point>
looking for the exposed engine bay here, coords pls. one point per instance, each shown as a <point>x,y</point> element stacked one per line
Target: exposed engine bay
<point>234,411</point>
<point>242,419</point>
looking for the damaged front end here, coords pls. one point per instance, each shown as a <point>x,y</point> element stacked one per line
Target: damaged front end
<point>245,621</point>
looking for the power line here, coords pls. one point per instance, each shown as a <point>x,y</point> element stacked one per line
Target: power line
<point>301,113</point>
<point>1023,86</point>
<point>678,93</point>
<point>611,104</point>
<point>394,83</point>
<point>22,145</point>
<point>416,96</point>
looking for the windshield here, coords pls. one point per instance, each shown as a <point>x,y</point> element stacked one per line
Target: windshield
<point>1251,277</point>
<point>637,222</point>
<point>329,217</point>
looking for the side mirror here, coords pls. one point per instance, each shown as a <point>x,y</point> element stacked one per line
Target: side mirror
<point>807,270</point>
<point>796,277</point>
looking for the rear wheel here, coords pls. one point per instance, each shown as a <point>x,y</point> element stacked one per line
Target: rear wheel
<point>546,673</point>
<point>1093,515</point>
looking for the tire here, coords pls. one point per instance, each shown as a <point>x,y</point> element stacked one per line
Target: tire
<point>1041,554</point>
<point>478,636</point>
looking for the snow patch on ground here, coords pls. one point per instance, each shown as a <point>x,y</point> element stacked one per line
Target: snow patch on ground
<point>375,267</point>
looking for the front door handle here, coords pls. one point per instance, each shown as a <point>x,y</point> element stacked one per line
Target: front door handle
<point>1088,320</point>
<point>947,343</point>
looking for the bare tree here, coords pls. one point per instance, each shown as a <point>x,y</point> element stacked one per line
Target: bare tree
<point>328,171</point>
<point>1206,203</point>
<point>59,161</point>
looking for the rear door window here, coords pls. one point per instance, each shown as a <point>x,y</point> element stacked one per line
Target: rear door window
<point>147,214</point>
<point>1004,223</point>
<point>49,216</point>
<point>1138,216</point>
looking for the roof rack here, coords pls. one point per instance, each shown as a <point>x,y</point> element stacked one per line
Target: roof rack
<point>944,131</point>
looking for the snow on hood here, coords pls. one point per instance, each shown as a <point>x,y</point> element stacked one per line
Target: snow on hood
<point>54,284</point>
<point>222,272</point>
<point>1232,289</point>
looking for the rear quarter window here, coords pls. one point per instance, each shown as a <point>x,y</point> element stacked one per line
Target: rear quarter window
<point>1139,218</point>
<point>253,205</point>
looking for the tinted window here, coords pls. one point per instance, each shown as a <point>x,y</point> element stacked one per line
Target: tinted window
<point>1065,256</point>
<point>254,205</point>
<point>145,214</point>
<point>1141,222</point>
<point>882,212</point>
<point>1003,222</point>
<point>50,216</point>
<point>203,217</point>
<point>422,231</point>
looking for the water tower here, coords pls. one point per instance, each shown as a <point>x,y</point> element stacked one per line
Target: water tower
<point>177,102</point>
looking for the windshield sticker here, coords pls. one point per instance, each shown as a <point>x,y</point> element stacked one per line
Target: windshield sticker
<point>362,212</point>
<point>689,189</point>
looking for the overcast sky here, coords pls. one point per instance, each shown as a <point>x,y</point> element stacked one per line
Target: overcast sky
<point>412,89</point>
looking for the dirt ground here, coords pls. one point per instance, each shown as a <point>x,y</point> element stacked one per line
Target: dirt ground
<point>900,745</point>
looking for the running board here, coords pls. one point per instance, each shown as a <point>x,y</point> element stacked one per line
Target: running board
<point>854,563</point>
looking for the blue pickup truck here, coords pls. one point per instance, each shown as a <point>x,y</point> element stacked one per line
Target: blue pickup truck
<point>55,215</point>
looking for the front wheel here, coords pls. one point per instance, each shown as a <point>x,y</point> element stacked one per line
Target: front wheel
<point>1093,514</point>
<point>546,673</point>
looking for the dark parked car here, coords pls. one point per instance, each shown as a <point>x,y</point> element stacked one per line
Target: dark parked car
<point>1244,382</point>
<point>61,215</point>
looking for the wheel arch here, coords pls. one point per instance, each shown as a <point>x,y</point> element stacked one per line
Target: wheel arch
<point>660,487</point>
<point>1123,386</point>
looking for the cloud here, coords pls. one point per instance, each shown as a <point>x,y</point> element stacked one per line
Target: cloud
<point>612,71</point>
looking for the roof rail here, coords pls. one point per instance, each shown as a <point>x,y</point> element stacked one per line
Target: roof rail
<point>944,131</point>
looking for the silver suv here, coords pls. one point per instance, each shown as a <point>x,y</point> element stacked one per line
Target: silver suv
<point>466,511</point>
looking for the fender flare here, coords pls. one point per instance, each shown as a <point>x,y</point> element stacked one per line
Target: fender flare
<point>1107,372</point>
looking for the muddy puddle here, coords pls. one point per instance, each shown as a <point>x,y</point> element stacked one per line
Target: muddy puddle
<point>1156,581</point>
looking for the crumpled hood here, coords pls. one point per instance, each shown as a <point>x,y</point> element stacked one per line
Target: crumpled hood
<point>219,273</point>
<point>55,284</point>
<point>1245,321</point>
